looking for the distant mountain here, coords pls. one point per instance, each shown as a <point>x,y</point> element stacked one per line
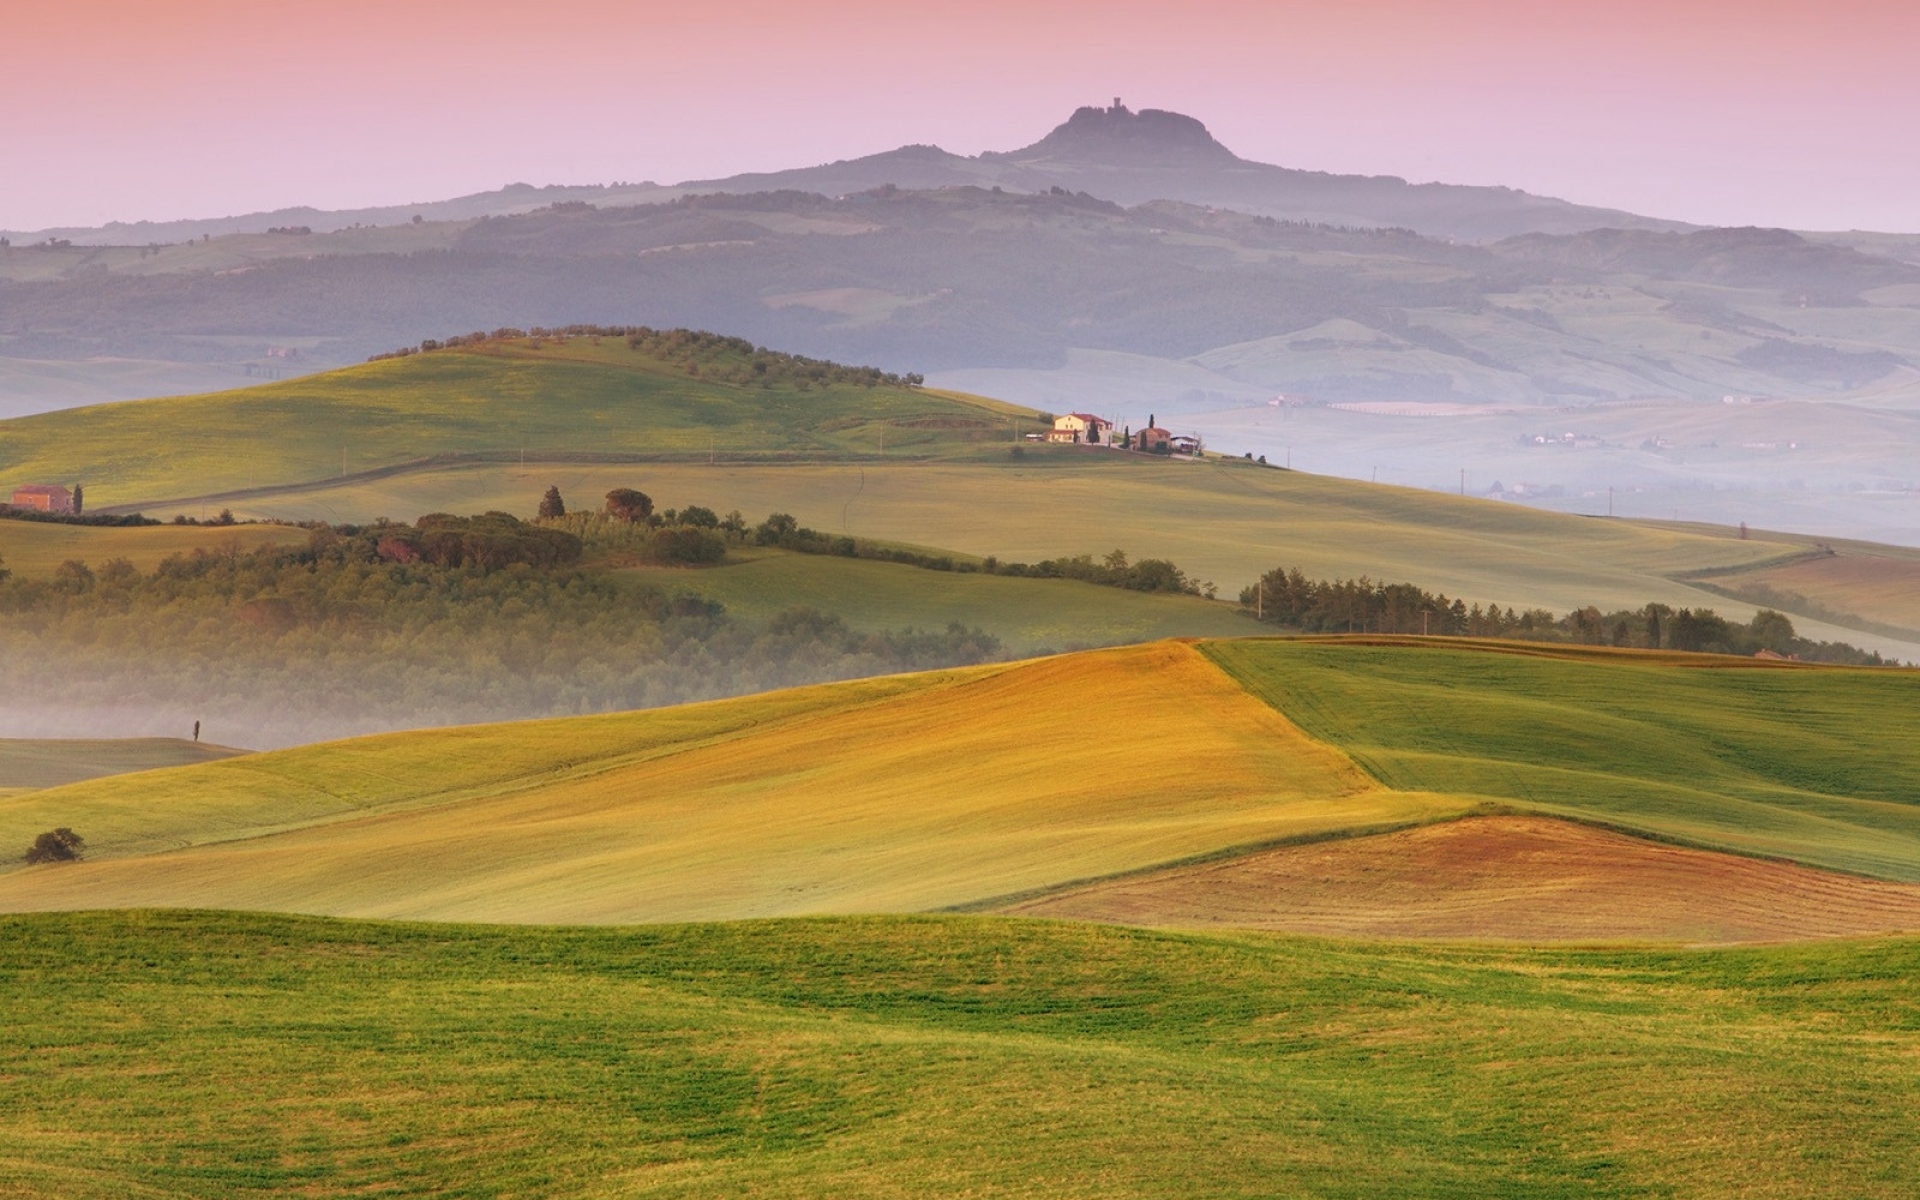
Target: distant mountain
<point>1113,153</point>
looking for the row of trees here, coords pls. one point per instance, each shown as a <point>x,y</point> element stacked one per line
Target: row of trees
<point>700,354</point>
<point>1288,598</point>
<point>1113,570</point>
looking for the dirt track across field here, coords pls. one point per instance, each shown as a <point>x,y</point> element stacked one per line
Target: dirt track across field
<point>1510,878</point>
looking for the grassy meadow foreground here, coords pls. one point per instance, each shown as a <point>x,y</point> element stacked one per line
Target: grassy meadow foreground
<point>204,1054</point>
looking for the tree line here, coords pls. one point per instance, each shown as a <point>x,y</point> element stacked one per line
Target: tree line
<point>1112,570</point>
<point>700,354</point>
<point>1290,599</point>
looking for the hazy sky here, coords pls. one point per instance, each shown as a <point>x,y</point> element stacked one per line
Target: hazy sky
<point>1751,112</point>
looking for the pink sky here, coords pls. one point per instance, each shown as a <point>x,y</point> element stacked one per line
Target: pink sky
<point>1764,111</point>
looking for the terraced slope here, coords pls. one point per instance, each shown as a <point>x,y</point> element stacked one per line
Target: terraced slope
<point>1818,765</point>
<point>1519,878</point>
<point>908,793</point>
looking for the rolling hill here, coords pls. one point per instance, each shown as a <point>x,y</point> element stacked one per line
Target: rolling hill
<point>491,424</point>
<point>585,397</point>
<point>980,787</point>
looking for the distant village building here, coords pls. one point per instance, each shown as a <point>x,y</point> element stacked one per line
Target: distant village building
<point>43,497</point>
<point>1182,444</point>
<point>1154,440</point>
<point>1081,427</point>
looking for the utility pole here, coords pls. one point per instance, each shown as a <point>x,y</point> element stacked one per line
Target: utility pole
<point>1463,481</point>
<point>1609,500</point>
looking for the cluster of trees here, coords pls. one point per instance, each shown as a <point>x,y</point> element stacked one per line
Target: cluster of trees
<point>1114,570</point>
<point>700,354</point>
<point>627,530</point>
<point>1147,575</point>
<point>334,638</point>
<point>1290,599</point>
<point>487,542</point>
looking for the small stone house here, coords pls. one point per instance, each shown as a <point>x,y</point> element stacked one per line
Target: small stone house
<point>1154,440</point>
<point>43,497</point>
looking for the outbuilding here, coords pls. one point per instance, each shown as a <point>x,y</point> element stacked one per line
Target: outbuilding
<point>43,497</point>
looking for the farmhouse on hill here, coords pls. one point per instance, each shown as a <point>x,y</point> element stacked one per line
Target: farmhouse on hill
<point>1082,427</point>
<point>43,497</point>
<point>1154,440</point>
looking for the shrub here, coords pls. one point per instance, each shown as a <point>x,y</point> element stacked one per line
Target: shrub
<point>56,845</point>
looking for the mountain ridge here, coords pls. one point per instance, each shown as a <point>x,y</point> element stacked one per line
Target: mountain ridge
<point>1114,153</point>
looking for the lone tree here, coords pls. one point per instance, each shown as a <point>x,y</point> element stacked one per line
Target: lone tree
<point>79,500</point>
<point>551,505</point>
<point>59,845</point>
<point>626,504</point>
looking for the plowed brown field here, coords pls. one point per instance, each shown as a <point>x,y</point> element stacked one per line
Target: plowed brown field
<point>1517,878</point>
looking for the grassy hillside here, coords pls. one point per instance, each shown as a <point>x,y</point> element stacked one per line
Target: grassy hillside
<point>32,549</point>
<point>899,794</point>
<point>1223,520</point>
<point>50,762</point>
<point>587,396</point>
<point>1817,765</point>
<point>446,431</point>
<point>212,1055</point>
<point>968,787</point>
<point>1027,615</point>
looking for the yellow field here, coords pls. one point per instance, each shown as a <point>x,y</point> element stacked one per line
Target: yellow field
<point>903,794</point>
<point>31,549</point>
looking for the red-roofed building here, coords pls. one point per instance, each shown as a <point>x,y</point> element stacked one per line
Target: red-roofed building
<point>43,497</point>
<point>1154,440</point>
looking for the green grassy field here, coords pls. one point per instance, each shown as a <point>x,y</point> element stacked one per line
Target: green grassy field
<point>1027,615</point>
<point>32,549</point>
<point>29,763</point>
<point>370,441</point>
<point>217,1055</point>
<point>1223,520</point>
<point>1817,765</point>
<point>578,396</point>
